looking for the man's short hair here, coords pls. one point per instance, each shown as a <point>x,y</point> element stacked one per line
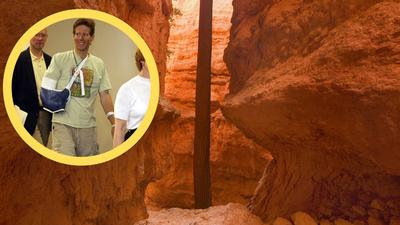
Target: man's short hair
<point>87,22</point>
<point>139,58</point>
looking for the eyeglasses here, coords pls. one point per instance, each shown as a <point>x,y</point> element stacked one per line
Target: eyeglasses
<point>84,35</point>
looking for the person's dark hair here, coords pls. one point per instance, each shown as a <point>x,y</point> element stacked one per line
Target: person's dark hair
<point>139,59</point>
<point>87,22</point>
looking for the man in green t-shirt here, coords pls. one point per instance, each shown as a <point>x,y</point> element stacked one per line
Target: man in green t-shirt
<point>74,130</point>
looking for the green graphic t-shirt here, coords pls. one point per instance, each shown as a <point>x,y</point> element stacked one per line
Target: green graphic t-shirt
<point>79,111</point>
<point>76,89</point>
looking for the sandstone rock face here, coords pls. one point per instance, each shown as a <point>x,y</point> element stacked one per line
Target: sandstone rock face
<point>325,222</point>
<point>342,222</point>
<point>359,222</point>
<point>302,218</point>
<point>182,54</point>
<point>374,221</point>
<point>321,81</point>
<point>281,221</point>
<point>395,221</point>
<point>266,33</point>
<point>15,21</point>
<point>38,191</point>
<point>35,190</point>
<point>236,162</point>
<point>218,215</point>
<point>232,179</point>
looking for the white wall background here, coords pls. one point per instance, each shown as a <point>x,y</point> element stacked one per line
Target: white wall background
<point>115,48</point>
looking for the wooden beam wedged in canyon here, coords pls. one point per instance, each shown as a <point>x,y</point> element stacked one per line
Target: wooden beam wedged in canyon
<point>201,159</point>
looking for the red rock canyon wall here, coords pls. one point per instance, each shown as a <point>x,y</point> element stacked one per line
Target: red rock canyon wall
<point>316,83</point>
<point>35,190</point>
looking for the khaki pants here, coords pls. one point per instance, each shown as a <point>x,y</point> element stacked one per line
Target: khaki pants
<point>43,128</point>
<point>44,125</point>
<point>38,137</point>
<point>74,141</point>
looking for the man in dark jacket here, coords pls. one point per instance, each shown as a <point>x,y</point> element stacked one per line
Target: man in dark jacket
<point>27,78</point>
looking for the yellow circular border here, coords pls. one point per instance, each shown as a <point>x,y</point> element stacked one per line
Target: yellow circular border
<point>74,14</point>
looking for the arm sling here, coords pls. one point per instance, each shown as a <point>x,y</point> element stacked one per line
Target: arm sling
<point>54,100</point>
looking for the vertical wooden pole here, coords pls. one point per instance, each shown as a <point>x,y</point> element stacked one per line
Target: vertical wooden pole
<point>201,159</point>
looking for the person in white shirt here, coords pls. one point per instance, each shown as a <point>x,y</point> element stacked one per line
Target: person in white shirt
<point>131,102</point>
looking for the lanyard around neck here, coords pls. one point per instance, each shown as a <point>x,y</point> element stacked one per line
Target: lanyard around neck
<point>76,63</point>
<point>78,70</point>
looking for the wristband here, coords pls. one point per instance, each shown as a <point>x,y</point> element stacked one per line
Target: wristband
<point>110,114</point>
<point>112,126</point>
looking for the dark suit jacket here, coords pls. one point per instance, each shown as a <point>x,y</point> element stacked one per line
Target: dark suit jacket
<point>24,90</point>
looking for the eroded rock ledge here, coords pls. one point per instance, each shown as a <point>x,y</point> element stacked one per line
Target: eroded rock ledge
<point>316,83</point>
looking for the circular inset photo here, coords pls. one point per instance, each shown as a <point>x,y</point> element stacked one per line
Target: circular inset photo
<point>81,87</point>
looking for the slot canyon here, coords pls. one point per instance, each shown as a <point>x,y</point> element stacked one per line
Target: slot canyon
<point>305,120</point>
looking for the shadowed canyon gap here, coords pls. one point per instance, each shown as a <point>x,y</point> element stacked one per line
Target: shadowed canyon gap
<point>236,162</point>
